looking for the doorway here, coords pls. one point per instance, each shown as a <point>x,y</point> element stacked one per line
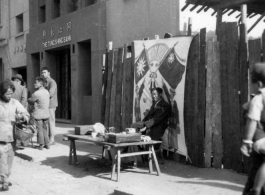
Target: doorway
<point>22,71</point>
<point>59,62</point>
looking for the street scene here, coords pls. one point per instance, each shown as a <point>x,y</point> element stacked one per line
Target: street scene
<point>132,97</point>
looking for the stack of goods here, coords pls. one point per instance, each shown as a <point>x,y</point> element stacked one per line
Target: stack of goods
<point>99,132</point>
<point>129,135</point>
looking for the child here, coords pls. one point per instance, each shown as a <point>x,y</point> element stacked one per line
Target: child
<point>254,138</point>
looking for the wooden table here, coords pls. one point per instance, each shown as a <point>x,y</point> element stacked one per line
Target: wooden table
<point>116,148</point>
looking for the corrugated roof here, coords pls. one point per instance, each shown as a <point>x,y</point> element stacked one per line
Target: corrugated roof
<point>254,6</point>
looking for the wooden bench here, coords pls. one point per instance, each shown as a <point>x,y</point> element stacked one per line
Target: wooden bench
<point>116,151</point>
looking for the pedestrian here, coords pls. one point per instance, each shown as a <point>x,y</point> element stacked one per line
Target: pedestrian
<point>28,93</point>
<point>21,95</point>
<point>254,138</point>
<point>11,111</point>
<point>51,86</point>
<point>40,100</point>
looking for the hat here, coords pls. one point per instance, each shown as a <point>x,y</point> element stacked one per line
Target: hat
<point>17,76</point>
<point>258,72</point>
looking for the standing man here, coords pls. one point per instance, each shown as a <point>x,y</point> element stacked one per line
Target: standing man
<point>51,86</point>
<point>40,100</point>
<point>20,92</point>
<point>21,95</point>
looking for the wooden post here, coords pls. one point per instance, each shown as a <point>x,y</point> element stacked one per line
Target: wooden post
<point>191,101</point>
<point>254,57</point>
<point>105,83</point>
<point>216,109</point>
<point>232,156</point>
<point>218,22</point>
<point>113,90</point>
<point>118,98</point>
<point>201,98</point>
<point>208,125</point>
<point>185,28</point>
<point>190,27</point>
<point>124,94</point>
<point>108,89</point>
<point>263,45</point>
<point>213,129</point>
<point>244,17</point>
<point>243,80</point>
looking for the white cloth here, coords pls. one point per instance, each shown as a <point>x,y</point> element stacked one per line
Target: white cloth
<point>8,111</point>
<point>256,108</point>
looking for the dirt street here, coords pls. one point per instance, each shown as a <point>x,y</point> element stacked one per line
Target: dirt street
<point>47,172</point>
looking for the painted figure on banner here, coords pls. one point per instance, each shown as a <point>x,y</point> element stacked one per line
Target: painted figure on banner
<point>158,66</point>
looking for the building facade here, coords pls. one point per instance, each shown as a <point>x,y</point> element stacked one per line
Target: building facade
<point>14,26</point>
<point>70,38</point>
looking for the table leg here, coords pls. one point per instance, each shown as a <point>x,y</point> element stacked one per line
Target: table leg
<point>114,162</point>
<point>155,160</point>
<point>150,163</point>
<point>103,152</point>
<point>74,151</point>
<point>119,164</point>
<point>71,152</point>
<point>110,157</point>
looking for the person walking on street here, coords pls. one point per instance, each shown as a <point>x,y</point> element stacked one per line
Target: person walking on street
<point>40,100</point>
<point>253,143</point>
<point>11,111</point>
<point>21,95</point>
<point>51,86</point>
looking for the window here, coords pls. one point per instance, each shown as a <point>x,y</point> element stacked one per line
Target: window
<point>90,2</point>
<point>42,14</point>
<point>56,8</point>
<point>19,20</point>
<point>72,5</point>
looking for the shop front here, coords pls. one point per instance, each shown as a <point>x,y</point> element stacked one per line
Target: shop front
<point>71,47</point>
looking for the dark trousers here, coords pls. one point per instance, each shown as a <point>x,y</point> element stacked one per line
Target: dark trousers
<point>43,127</point>
<point>255,162</point>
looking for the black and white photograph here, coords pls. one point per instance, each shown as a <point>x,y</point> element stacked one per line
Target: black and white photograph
<point>132,97</point>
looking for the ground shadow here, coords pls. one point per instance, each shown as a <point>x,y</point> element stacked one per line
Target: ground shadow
<point>213,184</point>
<point>88,165</point>
<point>99,168</point>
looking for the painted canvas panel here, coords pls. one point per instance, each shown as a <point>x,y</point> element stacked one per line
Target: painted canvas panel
<point>162,63</point>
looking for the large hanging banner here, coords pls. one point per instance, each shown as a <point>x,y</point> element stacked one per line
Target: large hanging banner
<point>162,63</point>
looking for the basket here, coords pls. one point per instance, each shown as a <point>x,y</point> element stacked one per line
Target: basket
<point>23,133</point>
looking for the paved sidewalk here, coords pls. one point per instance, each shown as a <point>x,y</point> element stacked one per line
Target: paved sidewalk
<point>48,172</point>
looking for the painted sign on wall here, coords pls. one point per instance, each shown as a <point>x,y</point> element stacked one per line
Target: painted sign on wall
<point>54,31</point>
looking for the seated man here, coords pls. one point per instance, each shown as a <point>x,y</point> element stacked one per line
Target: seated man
<point>156,121</point>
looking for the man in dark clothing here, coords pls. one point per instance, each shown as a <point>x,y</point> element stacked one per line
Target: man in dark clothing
<point>20,92</point>
<point>156,121</point>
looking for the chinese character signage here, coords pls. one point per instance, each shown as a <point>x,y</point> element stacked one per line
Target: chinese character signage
<point>57,31</point>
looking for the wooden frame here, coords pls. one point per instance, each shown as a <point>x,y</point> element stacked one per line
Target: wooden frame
<point>117,155</point>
